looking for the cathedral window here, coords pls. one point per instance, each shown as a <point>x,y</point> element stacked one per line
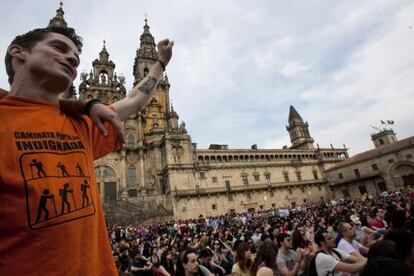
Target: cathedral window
<point>108,172</point>
<point>131,141</point>
<point>363,190</point>
<point>374,167</point>
<point>286,176</point>
<point>132,193</point>
<point>315,174</point>
<point>357,174</point>
<point>132,175</point>
<point>299,175</point>
<point>267,176</point>
<point>340,176</point>
<point>245,180</point>
<point>227,182</point>
<point>146,71</point>
<point>98,172</point>
<point>214,179</point>
<point>256,177</point>
<point>202,175</point>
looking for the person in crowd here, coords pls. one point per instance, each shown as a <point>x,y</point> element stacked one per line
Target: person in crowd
<point>141,266</point>
<point>347,242</point>
<point>243,260</point>
<point>404,243</point>
<point>264,263</point>
<point>205,258</point>
<point>289,262</point>
<point>385,260</point>
<point>187,265</point>
<point>334,261</point>
<point>379,223</point>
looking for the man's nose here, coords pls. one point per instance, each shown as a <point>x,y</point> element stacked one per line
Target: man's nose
<point>73,60</point>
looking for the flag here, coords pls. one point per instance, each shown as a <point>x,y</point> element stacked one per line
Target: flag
<point>390,122</point>
<point>382,122</point>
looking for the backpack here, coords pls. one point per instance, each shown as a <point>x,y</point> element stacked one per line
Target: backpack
<point>312,266</point>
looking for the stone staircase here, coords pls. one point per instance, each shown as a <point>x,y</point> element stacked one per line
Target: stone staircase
<point>124,212</point>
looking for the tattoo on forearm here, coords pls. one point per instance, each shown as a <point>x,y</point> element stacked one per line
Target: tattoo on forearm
<point>148,85</point>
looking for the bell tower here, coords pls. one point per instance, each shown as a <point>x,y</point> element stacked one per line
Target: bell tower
<point>298,131</point>
<point>102,82</point>
<point>156,115</point>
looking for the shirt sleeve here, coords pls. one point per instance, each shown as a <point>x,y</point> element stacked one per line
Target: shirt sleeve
<point>281,262</point>
<point>235,269</point>
<point>344,254</point>
<point>103,145</point>
<point>325,263</point>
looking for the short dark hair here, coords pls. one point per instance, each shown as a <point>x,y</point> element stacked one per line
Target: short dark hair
<point>319,237</point>
<point>205,253</point>
<point>29,39</point>
<point>341,227</point>
<point>281,238</point>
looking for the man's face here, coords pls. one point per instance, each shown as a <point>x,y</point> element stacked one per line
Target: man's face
<point>192,264</point>
<point>329,240</point>
<point>206,260</point>
<point>53,61</point>
<point>287,242</point>
<point>349,231</point>
<point>381,213</point>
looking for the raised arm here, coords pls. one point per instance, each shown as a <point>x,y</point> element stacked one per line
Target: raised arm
<point>140,95</point>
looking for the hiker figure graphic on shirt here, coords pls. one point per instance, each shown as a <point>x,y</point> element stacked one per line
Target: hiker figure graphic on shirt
<point>62,169</point>
<point>56,192</point>
<point>39,168</point>
<point>84,188</point>
<point>42,205</point>
<point>64,194</point>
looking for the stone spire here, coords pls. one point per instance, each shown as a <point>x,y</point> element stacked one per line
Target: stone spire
<point>298,131</point>
<point>294,115</point>
<point>146,55</point>
<point>58,20</point>
<point>104,55</point>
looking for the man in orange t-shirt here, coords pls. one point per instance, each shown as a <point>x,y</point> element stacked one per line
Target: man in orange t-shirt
<point>52,223</point>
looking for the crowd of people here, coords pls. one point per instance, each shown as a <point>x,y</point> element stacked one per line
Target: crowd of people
<point>368,236</point>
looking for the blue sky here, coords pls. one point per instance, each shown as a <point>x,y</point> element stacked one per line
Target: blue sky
<point>239,65</point>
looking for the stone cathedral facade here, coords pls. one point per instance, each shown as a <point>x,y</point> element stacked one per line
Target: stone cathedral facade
<point>160,174</point>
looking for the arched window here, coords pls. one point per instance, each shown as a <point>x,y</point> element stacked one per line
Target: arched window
<point>97,172</point>
<point>109,171</point>
<point>132,175</point>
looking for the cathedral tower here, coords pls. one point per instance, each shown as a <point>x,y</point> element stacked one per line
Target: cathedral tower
<point>157,114</point>
<point>102,83</point>
<point>299,131</point>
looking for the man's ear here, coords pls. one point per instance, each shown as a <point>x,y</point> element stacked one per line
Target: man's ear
<point>17,51</point>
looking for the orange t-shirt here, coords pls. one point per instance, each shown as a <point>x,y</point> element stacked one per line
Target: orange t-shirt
<point>51,218</point>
